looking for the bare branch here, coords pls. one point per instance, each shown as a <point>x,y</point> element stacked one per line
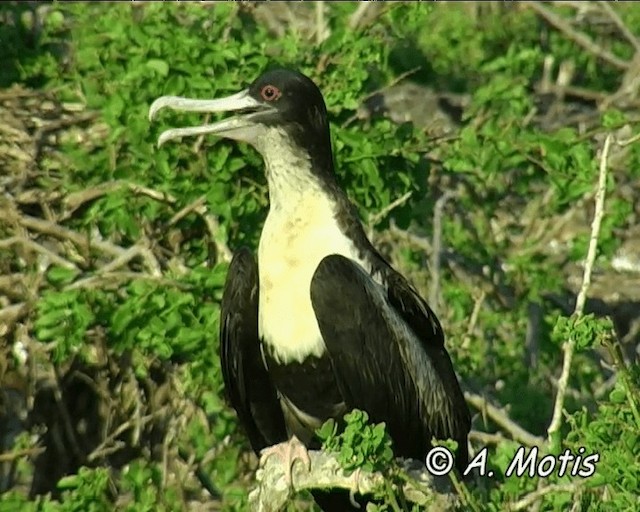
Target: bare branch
<point>36,247</point>
<point>436,253</point>
<point>577,37</point>
<point>76,199</point>
<point>16,454</point>
<point>115,279</point>
<point>569,345</point>
<point>199,206</point>
<point>624,30</point>
<point>11,313</point>
<point>473,320</point>
<point>364,14</point>
<point>526,502</point>
<point>378,217</point>
<point>55,230</point>
<point>322,32</point>
<point>628,141</point>
<point>503,420</point>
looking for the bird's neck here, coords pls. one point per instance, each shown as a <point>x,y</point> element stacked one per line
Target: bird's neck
<point>294,172</point>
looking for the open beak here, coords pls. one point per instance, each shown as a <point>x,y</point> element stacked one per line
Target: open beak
<point>244,126</point>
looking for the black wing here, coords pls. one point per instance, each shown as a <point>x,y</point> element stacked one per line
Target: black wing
<point>388,356</point>
<point>247,383</point>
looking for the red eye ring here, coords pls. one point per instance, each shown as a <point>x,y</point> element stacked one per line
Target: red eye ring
<point>270,93</point>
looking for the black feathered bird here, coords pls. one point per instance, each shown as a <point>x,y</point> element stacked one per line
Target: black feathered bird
<point>320,323</point>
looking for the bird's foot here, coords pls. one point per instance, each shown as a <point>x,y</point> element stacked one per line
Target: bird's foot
<point>288,452</point>
<point>355,487</point>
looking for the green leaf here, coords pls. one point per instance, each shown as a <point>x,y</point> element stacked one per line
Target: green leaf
<point>61,275</point>
<point>159,66</point>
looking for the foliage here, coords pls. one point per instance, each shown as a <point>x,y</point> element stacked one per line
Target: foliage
<point>521,165</point>
<point>359,445</point>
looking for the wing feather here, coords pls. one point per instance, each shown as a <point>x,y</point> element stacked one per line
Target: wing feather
<point>388,355</point>
<point>247,383</point>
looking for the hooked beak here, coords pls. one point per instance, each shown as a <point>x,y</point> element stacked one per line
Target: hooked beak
<point>244,126</point>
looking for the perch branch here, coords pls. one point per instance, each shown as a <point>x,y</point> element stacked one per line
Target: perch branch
<point>272,491</point>
<point>569,345</point>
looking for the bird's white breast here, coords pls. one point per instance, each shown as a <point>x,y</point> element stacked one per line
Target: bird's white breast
<point>294,240</point>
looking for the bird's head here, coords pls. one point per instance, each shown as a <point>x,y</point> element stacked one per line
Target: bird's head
<point>279,107</point>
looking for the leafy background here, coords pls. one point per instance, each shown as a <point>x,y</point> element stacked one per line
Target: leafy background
<point>467,135</point>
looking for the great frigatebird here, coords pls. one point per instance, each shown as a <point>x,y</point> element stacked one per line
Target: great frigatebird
<point>320,323</point>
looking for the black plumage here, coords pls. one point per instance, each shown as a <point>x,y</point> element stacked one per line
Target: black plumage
<point>321,324</point>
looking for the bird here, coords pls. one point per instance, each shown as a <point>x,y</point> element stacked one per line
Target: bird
<point>319,323</point>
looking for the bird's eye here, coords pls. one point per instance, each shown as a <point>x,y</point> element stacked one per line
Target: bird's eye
<point>270,93</point>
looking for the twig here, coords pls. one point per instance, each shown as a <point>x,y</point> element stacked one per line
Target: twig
<point>114,279</point>
<point>321,29</point>
<point>273,492</point>
<point>149,258</point>
<point>16,454</point>
<point>53,229</point>
<point>631,140</point>
<point>201,474</point>
<point>485,438</point>
<point>615,351</point>
<point>604,388</point>
<point>532,340</point>
<point>195,206</point>
<point>12,312</point>
<point>502,420</point>
<point>569,345</point>
<point>577,37</point>
<point>36,247</point>
<point>75,200</point>
<point>103,449</point>
<point>122,260</point>
<point>388,86</point>
<point>378,217</point>
<point>620,24</point>
<point>213,226</point>
<point>529,499</point>
<point>358,15</point>
<point>436,244</point>
<point>69,430</point>
<point>477,306</point>
<point>418,241</point>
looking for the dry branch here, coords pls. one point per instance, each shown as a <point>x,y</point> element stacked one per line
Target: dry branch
<point>29,244</point>
<point>577,37</point>
<point>569,345</point>
<point>617,21</point>
<point>17,454</point>
<point>503,420</point>
<point>76,199</point>
<point>526,502</point>
<point>436,253</point>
